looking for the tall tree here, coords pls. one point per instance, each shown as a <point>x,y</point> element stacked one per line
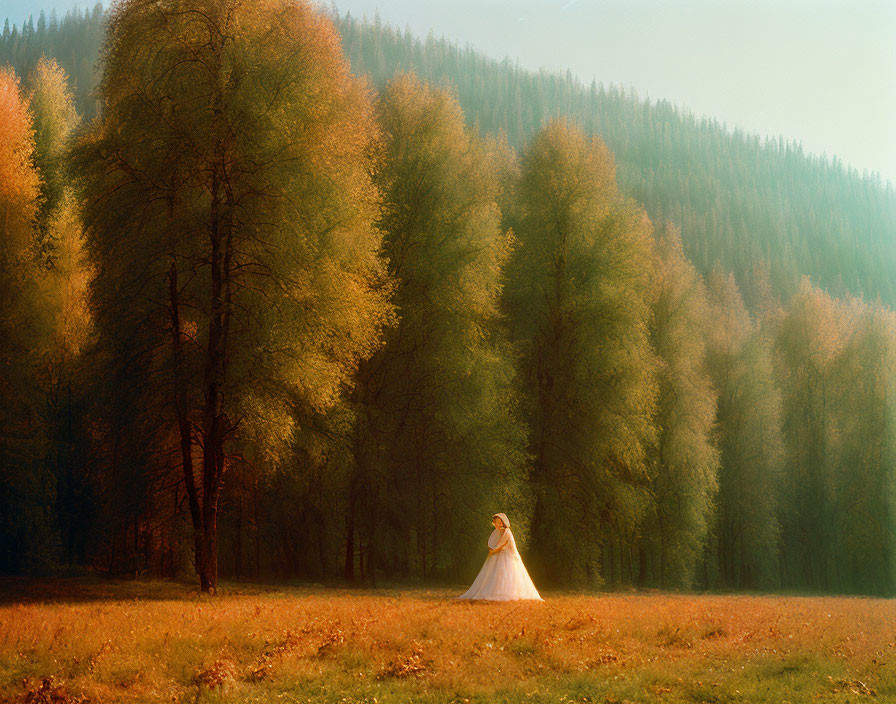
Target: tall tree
<point>686,460</point>
<point>809,340</point>
<point>229,210</point>
<point>438,422</point>
<point>26,490</point>
<point>64,275</point>
<point>579,295</point>
<point>748,435</point>
<point>863,491</point>
<point>54,117</point>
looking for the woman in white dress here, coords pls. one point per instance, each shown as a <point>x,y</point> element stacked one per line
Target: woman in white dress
<point>503,577</point>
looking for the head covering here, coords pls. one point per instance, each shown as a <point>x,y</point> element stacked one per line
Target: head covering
<point>504,519</point>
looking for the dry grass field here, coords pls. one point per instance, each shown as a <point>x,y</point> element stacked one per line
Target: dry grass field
<point>76,641</point>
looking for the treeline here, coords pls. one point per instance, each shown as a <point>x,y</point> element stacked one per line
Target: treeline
<point>265,320</point>
<point>74,42</point>
<point>737,198</point>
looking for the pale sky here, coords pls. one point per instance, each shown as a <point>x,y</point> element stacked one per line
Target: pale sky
<point>818,71</point>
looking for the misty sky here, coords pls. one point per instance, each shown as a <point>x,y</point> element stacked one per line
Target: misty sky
<point>818,71</point>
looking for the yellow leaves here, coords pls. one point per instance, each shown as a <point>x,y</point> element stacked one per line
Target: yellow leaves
<point>817,321</point>
<point>731,322</point>
<point>68,280</point>
<point>268,427</point>
<point>259,91</point>
<point>52,106</point>
<point>569,180</point>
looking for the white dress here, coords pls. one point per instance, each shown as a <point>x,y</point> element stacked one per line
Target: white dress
<point>503,577</point>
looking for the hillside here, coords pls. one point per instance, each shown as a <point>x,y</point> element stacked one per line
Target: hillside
<point>738,198</point>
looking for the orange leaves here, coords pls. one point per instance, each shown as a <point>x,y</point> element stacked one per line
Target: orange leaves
<point>406,665</point>
<point>49,693</point>
<point>264,665</point>
<point>220,673</point>
<point>18,179</point>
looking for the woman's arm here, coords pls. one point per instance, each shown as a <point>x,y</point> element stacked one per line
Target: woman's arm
<point>502,543</point>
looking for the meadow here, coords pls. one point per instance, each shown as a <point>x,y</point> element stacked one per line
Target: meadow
<point>145,641</point>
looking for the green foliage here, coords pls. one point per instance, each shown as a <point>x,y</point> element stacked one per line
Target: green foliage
<point>579,298</point>
<point>837,376</point>
<point>810,338</point>
<point>864,482</point>
<point>362,320</point>
<point>438,423</point>
<point>54,117</point>
<point>748,435</point>
<point>685,458</point>
<point>738,198</point>
<point>229,211</point>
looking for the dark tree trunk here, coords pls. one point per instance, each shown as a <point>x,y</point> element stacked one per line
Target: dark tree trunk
<point>183,423</point>
<point>208,577</point>
<point>642,566</point>
<point>349,572</point>
<point>213,418</point>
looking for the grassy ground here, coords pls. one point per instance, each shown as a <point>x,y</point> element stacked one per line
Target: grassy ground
<point>77,641</point>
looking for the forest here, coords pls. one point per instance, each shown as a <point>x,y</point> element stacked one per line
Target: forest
<point>293,295</point>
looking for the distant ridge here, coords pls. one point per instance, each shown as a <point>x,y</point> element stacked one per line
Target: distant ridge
<point>762,208</point>
<point>738,198</point>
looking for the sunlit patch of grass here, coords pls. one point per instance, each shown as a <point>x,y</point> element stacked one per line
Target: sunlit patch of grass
<point>103,642</point>
<point>676,635</point>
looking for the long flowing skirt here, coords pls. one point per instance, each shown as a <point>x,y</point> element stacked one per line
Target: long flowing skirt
<point>503,577</point>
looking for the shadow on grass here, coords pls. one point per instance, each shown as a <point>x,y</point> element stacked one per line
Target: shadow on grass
<point>98,588</point>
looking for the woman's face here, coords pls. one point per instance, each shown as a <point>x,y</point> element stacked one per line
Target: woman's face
<point>497,522</point>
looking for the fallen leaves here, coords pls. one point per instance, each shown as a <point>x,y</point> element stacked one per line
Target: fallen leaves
<point>49,693</point>
<point>856,687</point>
<point>262,667</point>
<point>221,672</point>
<point>406,666</point>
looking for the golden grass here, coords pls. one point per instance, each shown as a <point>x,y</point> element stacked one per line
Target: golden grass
<point>161,642</point>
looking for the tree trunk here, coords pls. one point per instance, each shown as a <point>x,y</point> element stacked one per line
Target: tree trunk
<point>642,567</point>
<point>349,572</point>
<point>215,426</point>
<point>371,563</point>
<point>208,577</point>
<point>183,423</point>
